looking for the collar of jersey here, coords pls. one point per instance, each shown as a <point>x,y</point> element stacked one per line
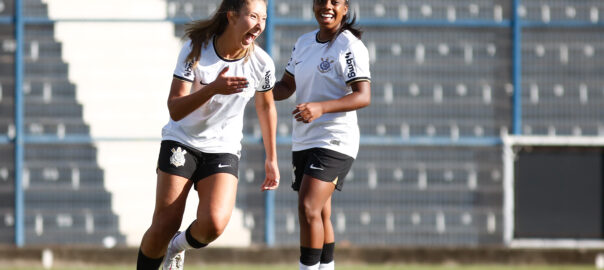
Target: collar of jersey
<point>218,55</point>
<point>320,41</point>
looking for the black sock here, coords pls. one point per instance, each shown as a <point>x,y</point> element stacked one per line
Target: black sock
<point>310,256</point>
<point>327,254</point>
<point>146,263</point>
<point>191,240</point>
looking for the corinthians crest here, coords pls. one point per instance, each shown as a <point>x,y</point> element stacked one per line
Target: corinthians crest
<point>326,64</point>
<point>178,157</point>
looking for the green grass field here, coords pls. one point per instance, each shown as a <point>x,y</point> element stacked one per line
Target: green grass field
<point>339,267</point>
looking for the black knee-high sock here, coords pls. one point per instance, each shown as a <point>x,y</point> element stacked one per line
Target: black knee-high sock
<point>145,263</point>
<point>310,256</point>
<point>191,240</point>
<point>327,254</point>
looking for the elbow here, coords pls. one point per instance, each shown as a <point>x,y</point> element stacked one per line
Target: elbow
<point>175,116</point>
<point>365,102</point>
<point>278,97</point>
<point>277,94</point>
<point>281,91</point>
<point>266,106</point>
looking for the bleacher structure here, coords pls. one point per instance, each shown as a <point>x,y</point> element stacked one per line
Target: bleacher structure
<point>429,170</point>
<point>65,198</point>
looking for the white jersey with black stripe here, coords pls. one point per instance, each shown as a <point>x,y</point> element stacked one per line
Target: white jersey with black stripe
<point>325,71</point>
<point>216,126</point>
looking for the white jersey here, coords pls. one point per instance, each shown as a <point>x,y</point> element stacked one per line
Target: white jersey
<point>216,126</point>
<point>324,71</point>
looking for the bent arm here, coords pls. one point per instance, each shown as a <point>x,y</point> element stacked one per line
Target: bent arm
<point>285,87</point>
<point>181,103</point>
<point>359,98</point>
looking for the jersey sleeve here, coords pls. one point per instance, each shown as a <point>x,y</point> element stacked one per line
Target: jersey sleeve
<point>184,70</point>
<point>268,77</point>
<point>354,63</point>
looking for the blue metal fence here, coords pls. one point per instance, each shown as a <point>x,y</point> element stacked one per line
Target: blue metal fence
<point>515,24</point>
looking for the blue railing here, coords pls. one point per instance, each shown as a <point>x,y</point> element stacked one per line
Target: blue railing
<point>19,132</point>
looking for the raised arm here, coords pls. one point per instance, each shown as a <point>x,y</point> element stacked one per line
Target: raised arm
<point>267,116</point>
<point>181,102</point>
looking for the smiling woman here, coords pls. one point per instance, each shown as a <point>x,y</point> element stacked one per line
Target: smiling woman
<point>325,130</point>
<point>218,71</point>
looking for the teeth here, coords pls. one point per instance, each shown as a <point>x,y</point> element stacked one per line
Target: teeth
<point>327,15</point>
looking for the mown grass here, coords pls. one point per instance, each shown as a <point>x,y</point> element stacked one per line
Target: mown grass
<point>339,267</point>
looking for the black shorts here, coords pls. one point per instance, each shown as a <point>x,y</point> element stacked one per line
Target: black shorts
<point>178,159</point>
<point>320,163</point>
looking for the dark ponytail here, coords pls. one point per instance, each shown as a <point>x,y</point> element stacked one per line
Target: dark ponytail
<point>349,23</point>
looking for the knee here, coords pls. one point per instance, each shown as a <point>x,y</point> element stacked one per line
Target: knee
<point>325,214</point>
<point>212,227</point>
<point>167,224</point>
<point>307,213</point>
<point>215,228</point>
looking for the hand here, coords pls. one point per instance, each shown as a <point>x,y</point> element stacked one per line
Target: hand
<point>307,112</point>
<point>226,85</point>
<point>272,175</point>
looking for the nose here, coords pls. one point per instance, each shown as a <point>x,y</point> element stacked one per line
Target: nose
<point>324,4</point>
<point>260,25</point>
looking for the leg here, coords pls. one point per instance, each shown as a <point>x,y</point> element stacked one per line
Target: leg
<point>170,200</point>
<point>327,262</point>
<point>329,236</point>
<point>312,197</point>
<point>217,195</point>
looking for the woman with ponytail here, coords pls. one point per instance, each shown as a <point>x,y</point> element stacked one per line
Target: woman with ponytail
<point>329,71</point>
<point>218,71</point>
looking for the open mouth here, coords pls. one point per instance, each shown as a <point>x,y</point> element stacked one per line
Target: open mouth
<point>250,37</point>
<point>326,17</point>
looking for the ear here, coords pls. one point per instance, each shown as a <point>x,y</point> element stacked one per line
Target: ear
<point>345,9</point>
<point>231,17</point>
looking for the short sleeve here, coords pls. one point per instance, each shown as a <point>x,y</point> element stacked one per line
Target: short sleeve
<point>355,63</point>
<point>268,77</point>
<point>184,69</point>
<point>291,66</point>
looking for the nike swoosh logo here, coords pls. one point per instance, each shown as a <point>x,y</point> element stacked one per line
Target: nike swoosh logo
<point>312,166</point>
<point>223,166</point>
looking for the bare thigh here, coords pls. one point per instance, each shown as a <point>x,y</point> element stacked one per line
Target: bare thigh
<point>217,194</point>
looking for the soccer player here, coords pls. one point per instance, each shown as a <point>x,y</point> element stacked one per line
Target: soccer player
<point>219,70</point>
<point>329,71</point>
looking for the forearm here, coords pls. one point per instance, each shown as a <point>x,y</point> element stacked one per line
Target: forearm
<point>267,116</point>
<point>180,107</point>
<point>351,102</point>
